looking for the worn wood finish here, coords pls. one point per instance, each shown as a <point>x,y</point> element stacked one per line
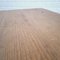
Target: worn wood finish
<point>29,35</point>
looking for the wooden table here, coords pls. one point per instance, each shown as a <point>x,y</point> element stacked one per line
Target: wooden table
<point>29,35</point>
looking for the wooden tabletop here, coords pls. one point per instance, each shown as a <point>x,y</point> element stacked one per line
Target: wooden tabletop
<point>29,35</point>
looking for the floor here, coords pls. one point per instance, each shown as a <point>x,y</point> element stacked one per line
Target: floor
<point>29,35</point>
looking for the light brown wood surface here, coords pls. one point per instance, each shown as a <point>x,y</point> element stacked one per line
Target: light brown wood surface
<point>29,35</point>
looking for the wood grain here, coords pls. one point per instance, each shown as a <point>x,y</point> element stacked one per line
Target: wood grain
<point>29,35</point>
